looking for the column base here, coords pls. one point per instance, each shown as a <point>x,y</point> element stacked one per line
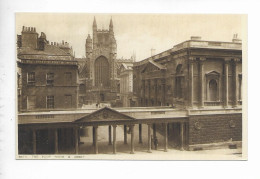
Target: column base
<point>165,150</point>
<point>131,152</point>
<point>182,149</point>
<point>149,151</point>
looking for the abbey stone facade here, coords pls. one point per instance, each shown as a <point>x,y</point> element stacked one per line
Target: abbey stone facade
<point>98,72</point>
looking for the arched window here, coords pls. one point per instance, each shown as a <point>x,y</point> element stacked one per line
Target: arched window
<point>213,90</point>
<point>101,72</point>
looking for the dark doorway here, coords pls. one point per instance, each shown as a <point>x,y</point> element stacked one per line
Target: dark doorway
<point>102,97</point>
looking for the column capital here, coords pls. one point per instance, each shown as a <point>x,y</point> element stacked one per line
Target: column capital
<point>202,59</point>
<point>192,59</point>
<point>95,126</point>
<point>227,59</point>
<point>114,125</point>
<point>236,59</point>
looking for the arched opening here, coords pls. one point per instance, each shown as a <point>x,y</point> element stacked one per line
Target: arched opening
<point>213,90</point>
<point>101,72</point>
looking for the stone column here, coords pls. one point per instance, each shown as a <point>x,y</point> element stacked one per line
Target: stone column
<point>114,139</point>
<point>226,81</point>
<point>149,92</point>
<point>154,135</point>
<point>182,136</point>
<point>163,92</point>
<point>93,135</point>
<point>76,133</point>
<point>140,134</point>
<point>165,137</point>
<point>235,83</point>
<point>144,96</point>
<point>132,139</point>
<point>56,144</point>
<point>95,141</point>
<point>125,134</point>
<point>149,138</point>
<point>34,140</point>
<point>192,59</point>
<point>109,135</point>
<point>201,81</point>
<point>155,92</point>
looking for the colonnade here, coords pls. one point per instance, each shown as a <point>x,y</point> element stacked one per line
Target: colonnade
<point>151,91</point>
<point>113,138</point>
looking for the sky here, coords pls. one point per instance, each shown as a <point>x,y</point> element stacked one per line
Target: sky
<point>134,33</point>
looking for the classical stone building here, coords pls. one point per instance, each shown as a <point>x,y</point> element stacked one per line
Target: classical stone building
<point>47,73</point>
<point>98,72</point>
<point>126,85</point>
<point>195,73</point>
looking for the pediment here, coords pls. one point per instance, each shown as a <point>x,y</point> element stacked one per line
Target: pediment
<point>104,115</point>
<point>152,66</point>
<point>214,73</point>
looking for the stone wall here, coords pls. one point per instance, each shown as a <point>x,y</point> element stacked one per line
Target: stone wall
<point>215,128</point>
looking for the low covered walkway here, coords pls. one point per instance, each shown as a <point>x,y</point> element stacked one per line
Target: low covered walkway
<point>103,131</point>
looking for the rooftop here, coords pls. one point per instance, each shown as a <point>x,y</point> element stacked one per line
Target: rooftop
<point>196,42</point>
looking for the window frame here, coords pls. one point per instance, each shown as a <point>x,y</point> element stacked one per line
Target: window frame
<point>48,102</point>
<point>31,82</point>
<point>49,79</point>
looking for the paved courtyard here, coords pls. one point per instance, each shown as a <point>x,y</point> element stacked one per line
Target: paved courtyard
<point>123,150</point>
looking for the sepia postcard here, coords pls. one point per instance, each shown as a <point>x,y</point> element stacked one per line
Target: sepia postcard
<point>131,86</point>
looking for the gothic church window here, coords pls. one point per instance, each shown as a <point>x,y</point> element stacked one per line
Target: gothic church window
<point>101,72</point>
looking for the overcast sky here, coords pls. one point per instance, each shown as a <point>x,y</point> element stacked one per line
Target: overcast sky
<point>133,32</point>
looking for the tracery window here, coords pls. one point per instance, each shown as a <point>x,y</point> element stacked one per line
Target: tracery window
<point>101,72</point>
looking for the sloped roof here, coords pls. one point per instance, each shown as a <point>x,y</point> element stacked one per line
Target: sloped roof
<point>157,65</point>
<point>48,50</point>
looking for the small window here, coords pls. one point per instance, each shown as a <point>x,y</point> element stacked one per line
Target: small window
<point>50,102</point>
<point>50,79</point>
<point>31,78</point>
